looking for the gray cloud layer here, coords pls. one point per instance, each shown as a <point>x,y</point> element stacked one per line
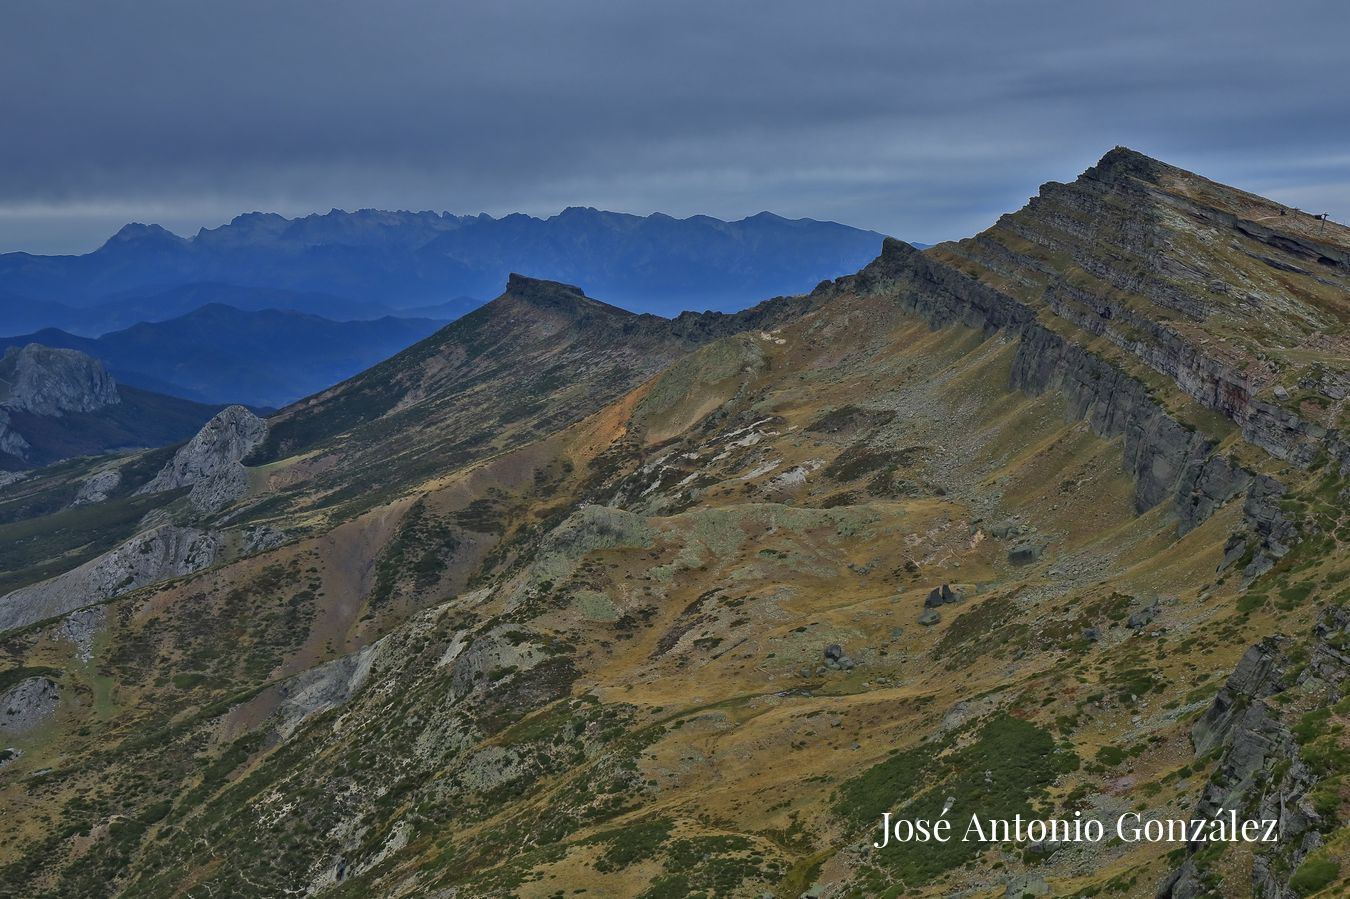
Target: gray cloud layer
<point>920,119</point>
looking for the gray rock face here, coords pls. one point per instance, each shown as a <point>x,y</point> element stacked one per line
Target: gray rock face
<point>48,381</point>
<point>97,488</point>
<point>80,628</point>
<point>262,537</point>
<point>1144,616</point>
<point>11,441</point>
<point>930,617</point>
<point>326,687</point>
<point>1261,769</point>
<point>220,489</point>
<point>221,444</point>
<point>147,558</point>
<point>26,705</point>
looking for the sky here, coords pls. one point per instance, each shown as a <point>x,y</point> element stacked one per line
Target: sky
<point>924,120</point>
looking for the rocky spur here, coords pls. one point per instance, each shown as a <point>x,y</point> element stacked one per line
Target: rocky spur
<point>1131,827</point>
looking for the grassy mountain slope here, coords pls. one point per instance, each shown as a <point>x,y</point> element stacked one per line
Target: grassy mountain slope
<point>564,597</point>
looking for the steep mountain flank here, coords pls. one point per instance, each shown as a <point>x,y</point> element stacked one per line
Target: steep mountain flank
<point>568,598</point>
<point>1239,301</point>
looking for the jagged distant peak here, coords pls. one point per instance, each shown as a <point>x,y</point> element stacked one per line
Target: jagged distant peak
<point>139,231</point>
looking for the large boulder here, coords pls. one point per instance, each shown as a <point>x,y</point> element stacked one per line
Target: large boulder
<point>1026,553</point>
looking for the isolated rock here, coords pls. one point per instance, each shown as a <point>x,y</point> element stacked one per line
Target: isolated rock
<point>949,595</point>
<point>834,651</point>
<point>933,600</point>
<point>223,442</point>
<point>27,704</point>
<point>930,617</point>
<point>151,556</point>
<point>1005,529</point>
<point>47,381</point>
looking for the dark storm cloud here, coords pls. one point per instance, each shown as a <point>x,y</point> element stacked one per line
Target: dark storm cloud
<point>921,119</point>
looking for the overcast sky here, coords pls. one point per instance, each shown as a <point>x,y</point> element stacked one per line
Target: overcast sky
<point>924,120</point>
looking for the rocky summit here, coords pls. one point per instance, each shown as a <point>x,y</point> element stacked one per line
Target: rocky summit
<point>1045,525</point>
<point>47,381</point>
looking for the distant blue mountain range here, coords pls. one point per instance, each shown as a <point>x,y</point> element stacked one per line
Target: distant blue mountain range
<point>346,265</point>
<point>266,309</point>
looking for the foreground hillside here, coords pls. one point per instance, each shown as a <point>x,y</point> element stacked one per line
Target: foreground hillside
<point>1052,520</point>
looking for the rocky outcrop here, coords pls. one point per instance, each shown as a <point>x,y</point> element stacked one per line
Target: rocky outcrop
<point>325,687</point>
<point>26,705</point>
<point>212,461</point>
<point>48,381</point>
<point>220,489</point>
<point>11,441</point>
<point>156,555</point>
<point>97,487</point>
<point>1261,770</point>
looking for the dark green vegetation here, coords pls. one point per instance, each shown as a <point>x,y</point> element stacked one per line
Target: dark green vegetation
<point>1005,768</point>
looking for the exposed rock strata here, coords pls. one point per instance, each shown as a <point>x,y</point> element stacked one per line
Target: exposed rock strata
<point>1261,770</point>
<point>1168,459</point>
<point>97,488</point>
<point>325,687</point>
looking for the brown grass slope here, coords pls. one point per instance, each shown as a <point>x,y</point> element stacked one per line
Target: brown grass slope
<point>592,652</point>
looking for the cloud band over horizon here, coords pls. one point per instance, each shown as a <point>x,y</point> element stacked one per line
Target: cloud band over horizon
<point>920,119</point>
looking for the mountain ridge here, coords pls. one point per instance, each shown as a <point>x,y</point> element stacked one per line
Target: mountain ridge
<point>568,595</point>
